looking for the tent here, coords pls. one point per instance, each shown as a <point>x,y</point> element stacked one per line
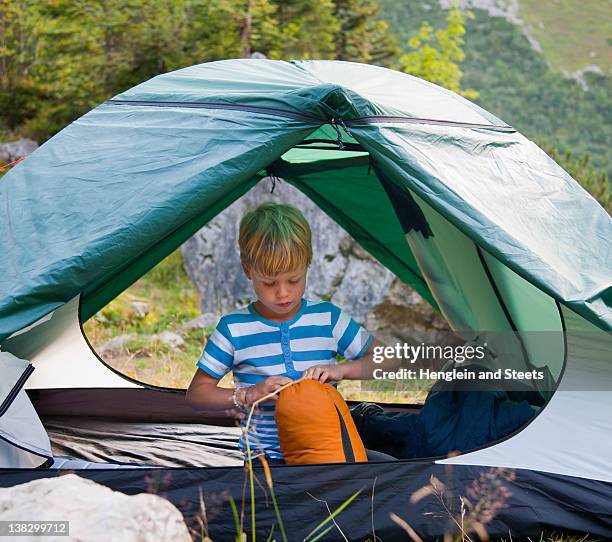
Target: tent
<point>455,202</point>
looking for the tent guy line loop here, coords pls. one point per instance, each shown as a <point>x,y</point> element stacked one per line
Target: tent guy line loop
<point>345,123</point>
<point>14,162</point>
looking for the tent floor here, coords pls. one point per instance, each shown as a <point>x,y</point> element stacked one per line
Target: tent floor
<point>135,443</point>
<point>72,463</point>
<point>139,426</point>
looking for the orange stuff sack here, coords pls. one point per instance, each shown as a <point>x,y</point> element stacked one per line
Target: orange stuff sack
<point>315,425</point>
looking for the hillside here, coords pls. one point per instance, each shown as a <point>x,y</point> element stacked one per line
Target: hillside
<point>572,34</point>
<point>518,83</point>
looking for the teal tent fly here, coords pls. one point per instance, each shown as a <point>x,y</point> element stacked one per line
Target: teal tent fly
<point>458,204</point>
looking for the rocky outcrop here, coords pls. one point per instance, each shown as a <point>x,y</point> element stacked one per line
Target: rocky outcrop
<point>169,338</point>
<point>341,270</point>
<point>403,316</point>
<point>508,9</point>
<point>581,75</point>
<point>16,149</point>
<point>338,271</point>
<point>206,320</point>
<point>95,513</point>
<point>116,344</point>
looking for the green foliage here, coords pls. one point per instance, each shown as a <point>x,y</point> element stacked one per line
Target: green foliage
<point>306,29</point>
<point>60,58</point>
<point>362,37</point>
<point>19,95</point>
<point>169,296</point>
<point>436,55</point>
<point>586,36</point>
<point>169,271</point>
<point>516,83</point>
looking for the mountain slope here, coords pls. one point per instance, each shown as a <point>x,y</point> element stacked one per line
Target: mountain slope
<point>517,84</point>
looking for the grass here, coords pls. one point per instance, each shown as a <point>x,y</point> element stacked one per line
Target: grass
<point>173,301</point>
<point>572,34</point>
<point>386,391</point>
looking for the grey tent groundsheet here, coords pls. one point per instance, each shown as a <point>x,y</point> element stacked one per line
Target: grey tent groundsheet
<point>155,444</point>
<point>538,502</point>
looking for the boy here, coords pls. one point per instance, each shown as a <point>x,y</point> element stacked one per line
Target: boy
<point>281,336</point>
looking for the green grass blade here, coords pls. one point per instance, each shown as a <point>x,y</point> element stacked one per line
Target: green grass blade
<point>236,519</point>
<point>332,515</point>
<point>270,535</point>
<point>322,533</point>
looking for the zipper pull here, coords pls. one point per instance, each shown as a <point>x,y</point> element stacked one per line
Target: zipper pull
<point>339,142</point>
<point>345,128</point>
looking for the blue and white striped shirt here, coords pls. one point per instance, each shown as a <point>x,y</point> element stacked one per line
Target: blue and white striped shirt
<point>255,348</point>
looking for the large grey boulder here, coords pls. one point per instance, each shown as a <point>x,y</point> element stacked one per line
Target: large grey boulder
<point>404,316</point>
<point>16,149</point>
<point>171,339</point>
<point>341,270</point>
<point>116,344</point>
<point>95,513</point>
<point>208,319</point>
<point>338,272</point>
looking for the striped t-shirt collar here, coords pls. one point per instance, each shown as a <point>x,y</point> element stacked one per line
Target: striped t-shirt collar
<point>259,317</point>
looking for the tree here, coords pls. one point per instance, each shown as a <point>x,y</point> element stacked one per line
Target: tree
<point>60,58</point>
<point>436,55</point>
<point>363,37</point>
<point>19,95</point>
<point>306,29</point>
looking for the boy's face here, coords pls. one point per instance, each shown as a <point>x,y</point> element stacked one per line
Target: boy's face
<point>279,296</point>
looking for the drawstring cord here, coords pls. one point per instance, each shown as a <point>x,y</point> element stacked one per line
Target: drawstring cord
<point>334,122</point>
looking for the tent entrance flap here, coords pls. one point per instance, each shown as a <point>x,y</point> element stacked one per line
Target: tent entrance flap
<point>346,188</point>
<point>406,235</point>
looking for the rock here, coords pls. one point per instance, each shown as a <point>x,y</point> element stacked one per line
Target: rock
<point>201,322</point>
<point>212,259</point>
<point>363,286</point>
<point>341,271</point>
<point>508,9</point>
<point>16,149</point>
<point>140,308</point>
<point>404,316</point>
<point>95,513</point>
<point>115,344</point>
<point>173,340</point>
<point>581,75</point>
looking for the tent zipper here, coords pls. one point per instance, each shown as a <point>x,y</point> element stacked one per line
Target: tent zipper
<point>415,120</point>
<point>15,390</point>
<point>334,121</point>
<point>232,107</point>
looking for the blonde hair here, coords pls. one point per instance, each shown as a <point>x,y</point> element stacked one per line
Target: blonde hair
<point>275,238</point>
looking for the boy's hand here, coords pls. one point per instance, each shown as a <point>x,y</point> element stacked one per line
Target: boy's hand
<point>269,385</point>
<point>325,373</point>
